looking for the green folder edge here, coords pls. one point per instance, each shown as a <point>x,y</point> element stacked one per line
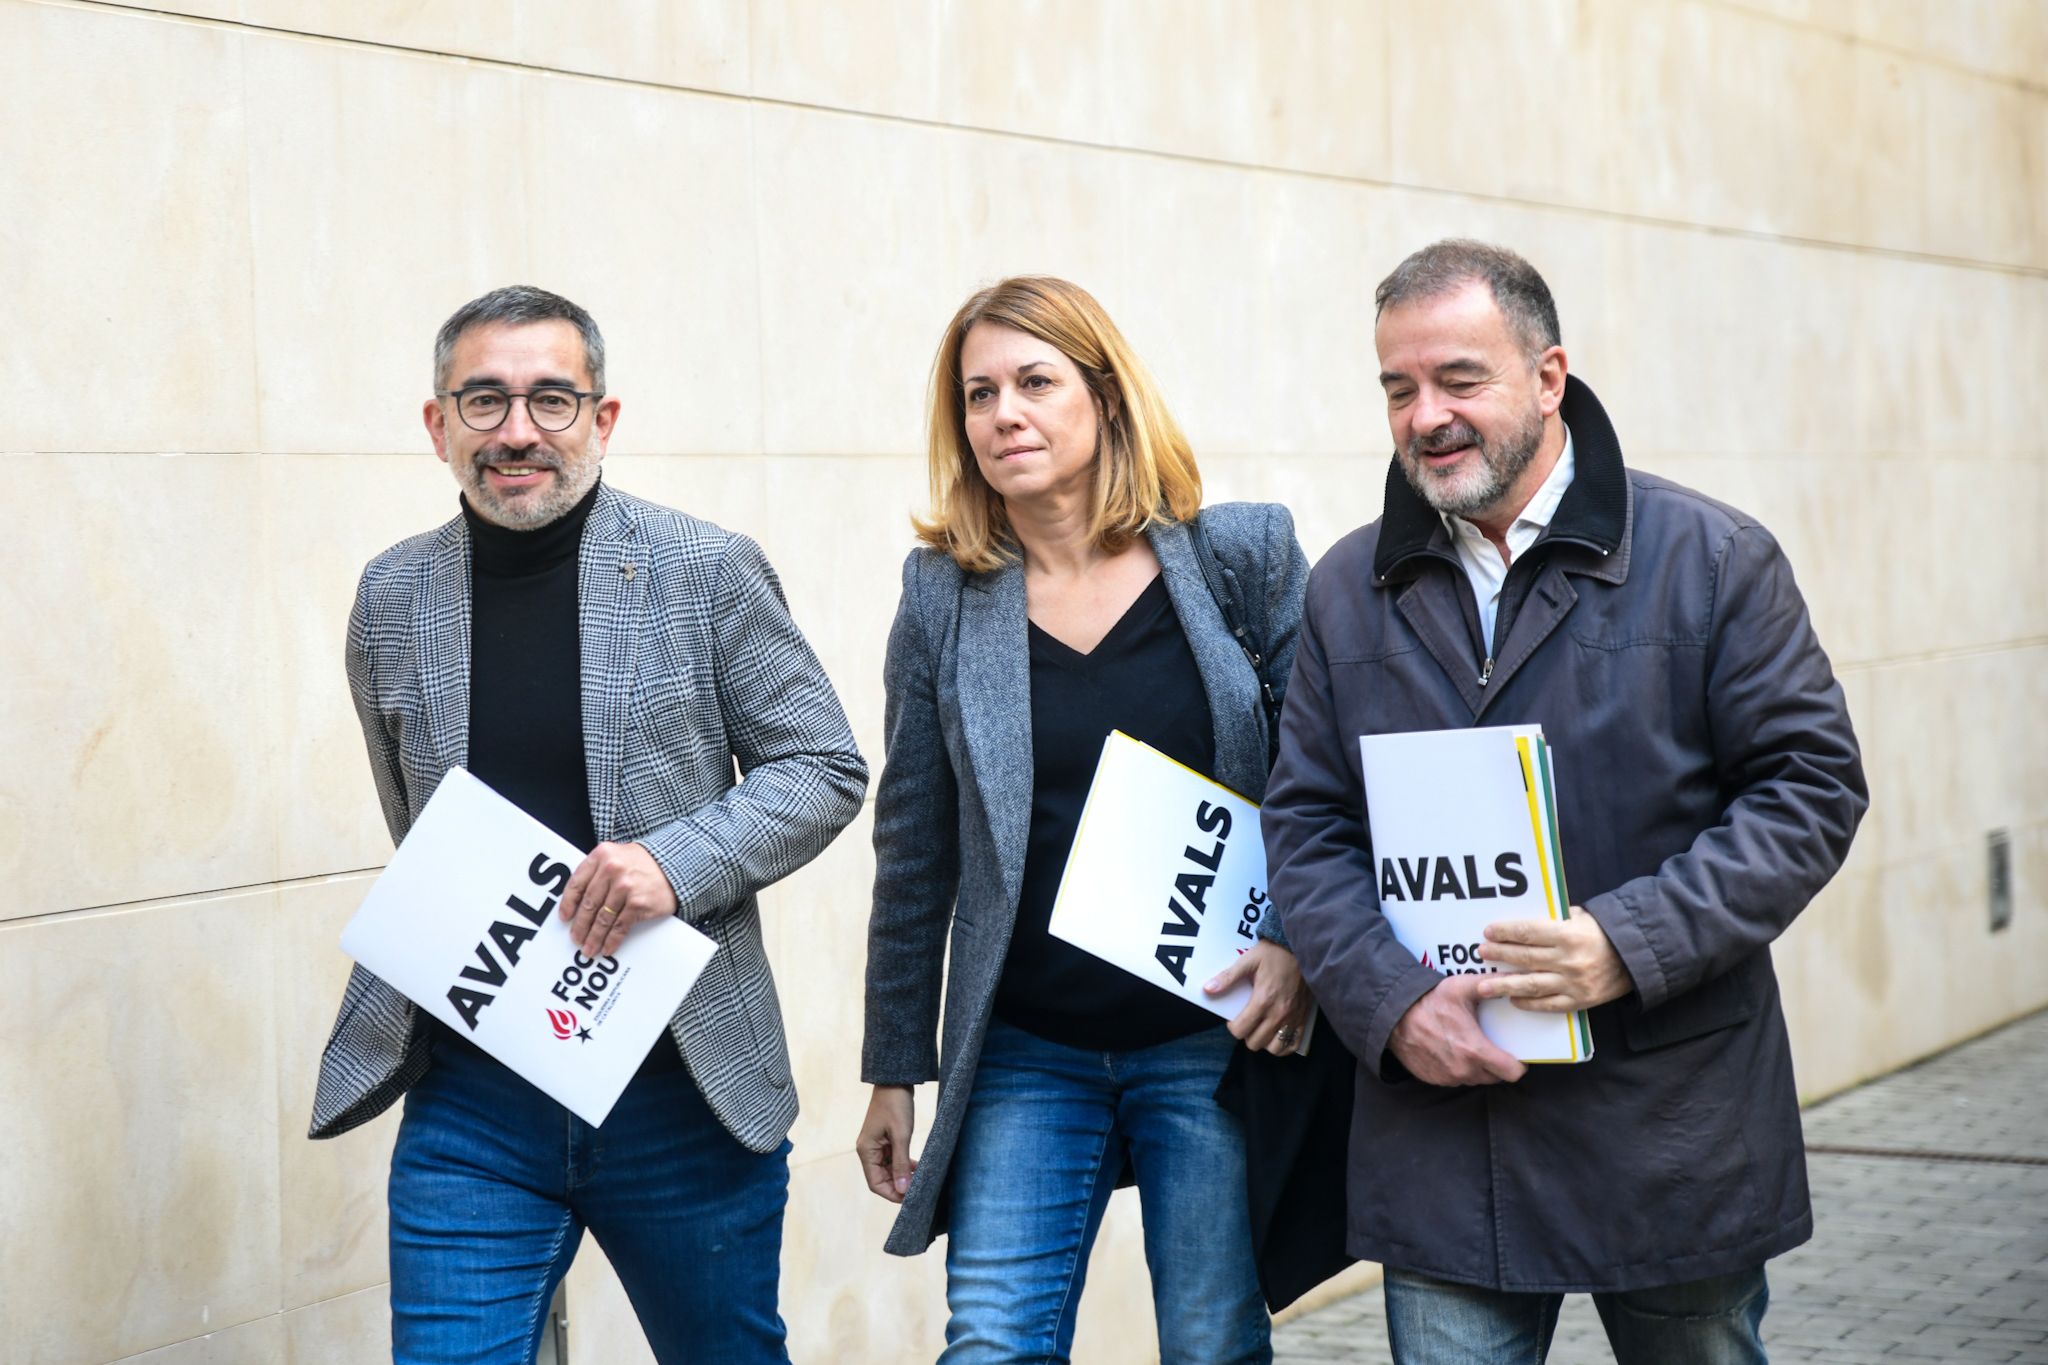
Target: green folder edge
<point>1564,896</point>
<point>1527,761</point>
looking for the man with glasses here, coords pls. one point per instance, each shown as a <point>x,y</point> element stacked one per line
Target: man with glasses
<point>603,662</point>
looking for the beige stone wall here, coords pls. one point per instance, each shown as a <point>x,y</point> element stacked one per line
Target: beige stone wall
<point>1801,249</point>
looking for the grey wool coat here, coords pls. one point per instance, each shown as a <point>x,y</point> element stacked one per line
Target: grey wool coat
<point>953,809</point>
<point>1708,784</point>
<point>690,662</point>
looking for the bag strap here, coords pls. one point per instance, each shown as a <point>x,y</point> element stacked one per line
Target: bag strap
<point>1223,587</point>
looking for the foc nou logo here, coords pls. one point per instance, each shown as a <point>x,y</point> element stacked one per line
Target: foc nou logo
<point>1459,959</point>
<point>564,1022</point>
<point>588,979</point>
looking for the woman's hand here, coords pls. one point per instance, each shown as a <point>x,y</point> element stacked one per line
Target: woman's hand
<point>884,1142</point>
<point>1272,1020</point>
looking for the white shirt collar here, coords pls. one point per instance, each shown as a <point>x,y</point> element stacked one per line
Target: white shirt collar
<point>1532,520</point>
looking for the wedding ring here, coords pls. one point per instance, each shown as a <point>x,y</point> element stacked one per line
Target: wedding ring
<point>606,913</point>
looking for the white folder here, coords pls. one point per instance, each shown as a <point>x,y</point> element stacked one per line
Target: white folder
<point>1167,876</point>
<point>1463,836</point>
<point>462,922</point>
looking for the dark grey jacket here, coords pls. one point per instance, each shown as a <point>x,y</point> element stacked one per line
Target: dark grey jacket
<point>1709,784</point>
<point>953,808</point>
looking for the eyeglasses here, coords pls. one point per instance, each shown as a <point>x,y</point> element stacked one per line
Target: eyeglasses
<point>484,406</point>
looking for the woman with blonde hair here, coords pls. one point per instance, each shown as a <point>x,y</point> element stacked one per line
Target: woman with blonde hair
<point>1061,593</point>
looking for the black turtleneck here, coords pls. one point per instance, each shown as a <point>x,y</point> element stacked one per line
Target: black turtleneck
<point>526,686</point>
<point>525,668</point>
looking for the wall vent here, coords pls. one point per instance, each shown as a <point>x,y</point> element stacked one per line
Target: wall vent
<point>1998,877</point>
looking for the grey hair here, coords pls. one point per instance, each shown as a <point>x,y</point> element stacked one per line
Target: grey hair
<point>517,304</point>
<point>1443,266</point>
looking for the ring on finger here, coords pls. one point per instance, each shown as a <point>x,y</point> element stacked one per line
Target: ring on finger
<point>607,913</point>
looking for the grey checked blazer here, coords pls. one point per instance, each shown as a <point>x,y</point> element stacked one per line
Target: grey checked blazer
<point>953,810</point>
<point>690,661</point>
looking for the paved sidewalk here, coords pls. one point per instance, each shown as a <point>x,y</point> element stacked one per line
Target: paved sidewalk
<point>1927,1246</point>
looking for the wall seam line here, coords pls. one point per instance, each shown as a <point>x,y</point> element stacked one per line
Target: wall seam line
<point>182,897</point>
<point>2009,268</point>
<point>1952,655</point>
<point>1949,64</point>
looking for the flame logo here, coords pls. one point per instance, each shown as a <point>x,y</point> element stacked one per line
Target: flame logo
<point>564,1022</point>
<point>1425,962</point>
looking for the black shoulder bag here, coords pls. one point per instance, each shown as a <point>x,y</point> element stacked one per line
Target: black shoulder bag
<point>1230,601</point>
<point>1295,1111</point>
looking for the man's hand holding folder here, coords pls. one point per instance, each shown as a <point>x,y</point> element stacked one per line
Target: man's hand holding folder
<point>1440,1042</point>
<point>1561,965</point>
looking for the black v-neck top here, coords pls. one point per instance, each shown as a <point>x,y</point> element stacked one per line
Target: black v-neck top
<point>1141,679</point>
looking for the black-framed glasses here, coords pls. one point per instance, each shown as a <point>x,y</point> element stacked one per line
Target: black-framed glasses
<point>551,407</point>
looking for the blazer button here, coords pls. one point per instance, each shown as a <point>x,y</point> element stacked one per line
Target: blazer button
<point>626,571</point>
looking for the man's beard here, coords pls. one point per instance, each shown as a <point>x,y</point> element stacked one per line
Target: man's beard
<point>1472,488</point>
<point>532,510</point>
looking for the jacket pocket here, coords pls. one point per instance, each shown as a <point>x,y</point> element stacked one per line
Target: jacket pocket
<point>665,707</point>
<point>1728,999</point>
<point>760,1010</point>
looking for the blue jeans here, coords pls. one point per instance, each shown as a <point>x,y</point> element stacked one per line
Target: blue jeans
<point>493,1183</point>
<point>1705,1322</point>
<point>1047,1133</point>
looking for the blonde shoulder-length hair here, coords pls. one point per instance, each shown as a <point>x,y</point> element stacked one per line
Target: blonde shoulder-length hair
<point>1144,473</point>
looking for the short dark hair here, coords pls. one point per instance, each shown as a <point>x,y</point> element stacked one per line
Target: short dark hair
<point>1443,266</point>
<point>517,304</point>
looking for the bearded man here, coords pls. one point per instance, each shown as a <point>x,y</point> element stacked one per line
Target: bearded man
<point>1708,783</point>
<point>604,663</point>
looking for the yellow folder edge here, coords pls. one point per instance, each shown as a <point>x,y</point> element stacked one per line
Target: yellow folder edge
<point>1583,1028</point>
<point>1549,893</point>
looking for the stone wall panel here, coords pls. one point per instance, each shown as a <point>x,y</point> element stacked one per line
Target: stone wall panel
<point>1686,151</point>
<point>1301,87</point>
<point>469,28</point>
<point>326,516</point>
<point>691,44</point>
<point>666,263</point>
<point>141,1199</point>
<point>880,57</point>
<point>343,1331</point>
<point>124,214</point>
<point>139,759</point>
<point>1532,101</point>
<point>1944,753</point>
<point>848,333</point>
<point>1982,166</point>
<point>2002,38</point>
<point>1017,206</point>
<point>368,233</point>
<point>331,1216</point>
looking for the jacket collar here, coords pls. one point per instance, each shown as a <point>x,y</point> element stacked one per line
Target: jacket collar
<point>611,591</point>
<point>611,517</point>
<point>1236,712</point>
<point>993,677</point>
<point>1594,512</point>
